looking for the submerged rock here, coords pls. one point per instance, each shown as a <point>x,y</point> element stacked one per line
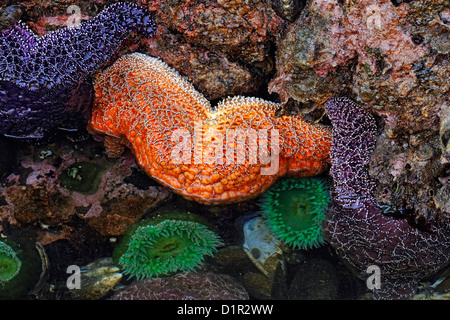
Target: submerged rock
<point>97,279</point>
<point>315,279</point>
<point>7,160</point>
<point>368,49</point>
<point>394,61</point>
<point>9,15</point>
<point>36,192</point>
<point>223,47</point>
<point>185,286</point>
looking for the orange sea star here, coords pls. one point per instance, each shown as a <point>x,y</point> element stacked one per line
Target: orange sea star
<point>229,154</point>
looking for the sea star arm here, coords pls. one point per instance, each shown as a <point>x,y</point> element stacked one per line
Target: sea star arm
<point>43,81</point>
<point>355,225</point>
<point>80,50</point>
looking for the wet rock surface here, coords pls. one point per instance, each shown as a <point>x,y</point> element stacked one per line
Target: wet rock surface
<point>185,286</point>
<point>223,47</point>
<point>9,15</point>
<point>391,71</point>
<point>98,278</point>
<point>315,279</point>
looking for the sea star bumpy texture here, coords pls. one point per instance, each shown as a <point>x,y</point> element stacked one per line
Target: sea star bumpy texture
<point>43,81</point>
<point>355,227</point>
<point>229,154</point>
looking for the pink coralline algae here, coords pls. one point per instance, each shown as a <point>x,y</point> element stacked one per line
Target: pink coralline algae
<point>355,227</point>
<point>34,195</point>
<point>394,59</point>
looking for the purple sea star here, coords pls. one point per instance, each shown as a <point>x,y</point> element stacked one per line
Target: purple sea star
<point>355,227</point>
<point>43,81</point>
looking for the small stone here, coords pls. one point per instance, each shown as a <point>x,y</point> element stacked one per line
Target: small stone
<point>98,278</point>
<point>185,286</point>
<point>315,279</point>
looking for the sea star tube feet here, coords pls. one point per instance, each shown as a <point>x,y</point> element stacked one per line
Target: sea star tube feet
<point>229,154</point>
<point>356,228</point>
<point>43,81</point>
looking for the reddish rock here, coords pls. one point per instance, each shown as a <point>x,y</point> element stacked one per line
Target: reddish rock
<point>237,27</point>
<point>393,71</point>
<point>33,194</point>
<point>223,47</point>
<point>43,25</point>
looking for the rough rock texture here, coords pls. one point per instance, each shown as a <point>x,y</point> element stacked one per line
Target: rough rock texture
<point>185,286</point>
<point>394,60</point>
<point>44,83</point>
<point>355,225</point>
<point>223,47</point>
<point>9,15</point>
<point>33,194</point>
<point>315,279</point>
<point>397,73</point>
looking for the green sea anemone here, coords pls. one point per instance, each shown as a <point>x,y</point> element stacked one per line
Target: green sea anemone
<point>294,210</point>
<point>9,263</point>
<point>165,245</point>
<point>82,177</point>
<point>21,268</point>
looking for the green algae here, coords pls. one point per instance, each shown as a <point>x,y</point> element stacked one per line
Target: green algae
<point>82,177</point>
